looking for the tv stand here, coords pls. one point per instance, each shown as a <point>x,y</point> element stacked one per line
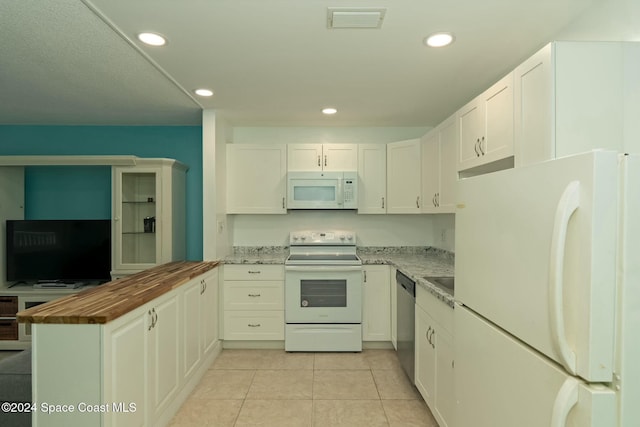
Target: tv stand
<point>57,284</point>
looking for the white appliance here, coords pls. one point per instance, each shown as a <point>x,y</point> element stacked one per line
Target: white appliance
<point>548,295</point>
<point>323,292</point>
<point>322,190</point>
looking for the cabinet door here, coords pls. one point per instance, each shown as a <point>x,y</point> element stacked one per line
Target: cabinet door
<point>137,216</point>
<point>340,157</point>
<point>534,109</point>
<point>471,127</point>
<point>164,356</point>
<point>209,310</point>
<point>425,356</point>
<point>126,368</point>
<point>376,308</point>
<point>403,176</point>
<point>372,173</point>
<point>497,141</point>
<point>304,157</point>
<point>430,171</point>
<point>191,326</point>
<point>486,126</point>
<point>256,179</point>
<point>448,173</point>
<point>444,407</point>
<point>394,308</point>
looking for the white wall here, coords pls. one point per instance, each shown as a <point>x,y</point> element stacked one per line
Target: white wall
<point>371,230</point>
<point>608,20</point>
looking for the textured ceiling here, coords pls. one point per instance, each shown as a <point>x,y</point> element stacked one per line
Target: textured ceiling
<point>269,62</point>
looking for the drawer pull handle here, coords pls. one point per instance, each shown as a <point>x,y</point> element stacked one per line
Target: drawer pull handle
<point>254,272</point>
<point>254,325</point>
<point>254,295</point>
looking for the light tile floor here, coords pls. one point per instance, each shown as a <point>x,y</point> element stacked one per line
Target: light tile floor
<point>275,388</point>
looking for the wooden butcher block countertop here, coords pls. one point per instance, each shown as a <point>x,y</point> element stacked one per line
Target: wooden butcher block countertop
<point>107,302</point>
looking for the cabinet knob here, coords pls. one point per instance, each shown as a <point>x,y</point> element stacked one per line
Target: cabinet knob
<point>325,160</point>
<point>254,325</point>
<point>383,203</point>
<point>480,146</point>
<point>418,202</point>
<point>319,161</point>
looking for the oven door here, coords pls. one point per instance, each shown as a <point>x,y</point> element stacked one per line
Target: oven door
<point>323,294</point>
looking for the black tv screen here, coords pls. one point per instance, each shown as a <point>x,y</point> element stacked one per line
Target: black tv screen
<point>58,250</point>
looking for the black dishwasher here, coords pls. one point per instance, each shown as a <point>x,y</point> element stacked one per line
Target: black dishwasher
<point>405,323</point>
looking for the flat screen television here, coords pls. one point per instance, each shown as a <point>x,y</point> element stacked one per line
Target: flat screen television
<point>58,250</point>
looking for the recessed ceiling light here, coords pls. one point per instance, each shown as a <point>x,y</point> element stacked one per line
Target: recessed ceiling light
<point>152,39</point>
<point>203,92</point>
<point>329,110</point>
<point>439,40</point>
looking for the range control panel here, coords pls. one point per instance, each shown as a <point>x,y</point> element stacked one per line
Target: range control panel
<point>319,238</point>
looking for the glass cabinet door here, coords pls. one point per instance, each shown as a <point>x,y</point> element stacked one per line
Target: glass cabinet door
<point>135,225</point>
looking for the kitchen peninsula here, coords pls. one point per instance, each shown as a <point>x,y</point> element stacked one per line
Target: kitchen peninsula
<point>128,352</point>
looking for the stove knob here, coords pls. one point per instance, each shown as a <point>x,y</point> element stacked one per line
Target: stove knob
<point>342,237</point>
<point>303,238</point>
<point>349,237</point>
<point>295,238</point>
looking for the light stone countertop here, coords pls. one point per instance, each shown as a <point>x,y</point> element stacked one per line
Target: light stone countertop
<point>414,262</point>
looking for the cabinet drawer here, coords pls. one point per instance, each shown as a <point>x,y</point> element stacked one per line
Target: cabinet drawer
<point>8,306</point>
<point>438,310</point>
<point>253,272</point>
<point>8,329</point>
<point>254,325</point>
<point>252,295</point>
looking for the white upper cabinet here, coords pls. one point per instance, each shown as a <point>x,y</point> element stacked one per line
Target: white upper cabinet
<point>256,178</point>
<point>404,176</point>
<point>439,168</point>
<point>322,157</point>
<point>372,176</point>
<point>430,171</point>
<point>486,126</point>
<point>572,97</point>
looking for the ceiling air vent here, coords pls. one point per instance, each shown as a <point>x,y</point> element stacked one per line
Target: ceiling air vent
<point>349,17</point>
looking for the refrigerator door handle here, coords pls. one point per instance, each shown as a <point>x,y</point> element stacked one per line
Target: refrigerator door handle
<point>566,399</point>
<point>568,204</point>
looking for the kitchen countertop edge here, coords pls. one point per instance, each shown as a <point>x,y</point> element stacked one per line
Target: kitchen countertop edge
<point>107,302</point>
<point>416,262</point>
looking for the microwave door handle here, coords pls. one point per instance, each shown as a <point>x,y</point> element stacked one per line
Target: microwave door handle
<point>340,192</point>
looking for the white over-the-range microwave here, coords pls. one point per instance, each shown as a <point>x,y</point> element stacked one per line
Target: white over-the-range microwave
<point>322,190</point>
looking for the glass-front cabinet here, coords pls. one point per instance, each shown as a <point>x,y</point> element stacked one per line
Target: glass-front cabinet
<point>148,215</point>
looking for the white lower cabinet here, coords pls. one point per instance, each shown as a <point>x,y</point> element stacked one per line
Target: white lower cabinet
<point>376,303</point>
<point>136,370</point>
<point>253,302</point>
<point>163,353</point>
<point>434,361</point>
<point>200,320</point>
<point>394,308</point>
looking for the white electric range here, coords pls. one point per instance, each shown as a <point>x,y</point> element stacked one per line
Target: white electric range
<point>323,292</point>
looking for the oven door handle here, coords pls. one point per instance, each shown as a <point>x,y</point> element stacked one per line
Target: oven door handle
<point>323,268</point>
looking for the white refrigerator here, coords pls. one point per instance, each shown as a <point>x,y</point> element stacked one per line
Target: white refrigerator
<point>547,315</point>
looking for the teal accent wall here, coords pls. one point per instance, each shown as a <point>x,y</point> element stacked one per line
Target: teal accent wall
<point>84,192</point>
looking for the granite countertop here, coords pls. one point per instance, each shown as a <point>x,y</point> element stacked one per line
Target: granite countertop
<point>414,262</point>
